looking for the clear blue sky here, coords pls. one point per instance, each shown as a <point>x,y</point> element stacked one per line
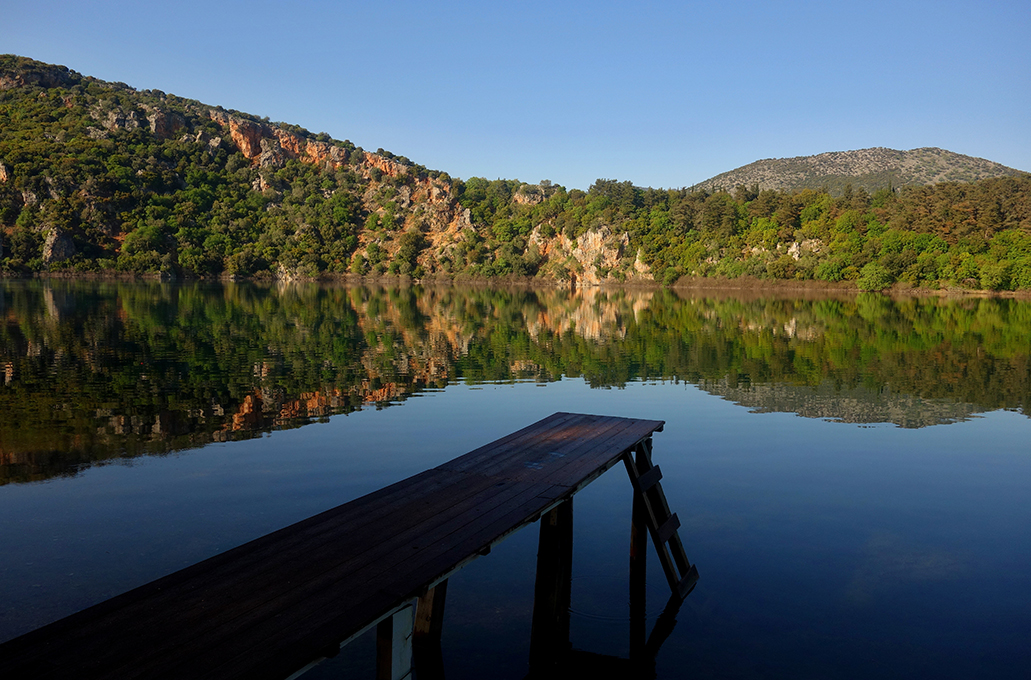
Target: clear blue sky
<point>664,94</point>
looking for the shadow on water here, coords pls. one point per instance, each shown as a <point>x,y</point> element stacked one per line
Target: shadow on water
<point>552,655</point>
<point>639,666</point>
<point>564,661</point>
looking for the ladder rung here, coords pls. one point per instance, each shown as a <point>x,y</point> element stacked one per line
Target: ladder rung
<point>687,583</point>
<point>648,479</point>
<point>668,528</point>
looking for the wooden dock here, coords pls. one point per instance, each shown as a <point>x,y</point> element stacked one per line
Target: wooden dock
<point>273,606</point>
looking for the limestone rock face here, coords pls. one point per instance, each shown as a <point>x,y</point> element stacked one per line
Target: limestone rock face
<point>387,166</point>
<point>204,138</point>
<point>271,154</point>
<point>599,250</point>
<point>595,253</point>
<point>164,124</point>
<point>310,150</point>
<point>799,248</point>
<point>118,119</point>
<point>5,173</point>
<point>58,247</point>
<point>528,194</point>
<point>255,139</point>
<point>247,136</point>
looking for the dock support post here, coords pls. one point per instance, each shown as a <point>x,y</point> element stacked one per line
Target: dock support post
<point>429,613</point>
<point>638,579</point>
<point>429,624</point>
<point>394,645</point>
<point>549,635</point>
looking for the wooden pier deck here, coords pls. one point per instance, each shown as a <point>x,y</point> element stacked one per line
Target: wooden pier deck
<point>274,605</point>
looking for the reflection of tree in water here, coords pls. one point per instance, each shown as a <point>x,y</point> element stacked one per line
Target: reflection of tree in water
<point>859,404</point>
<point>94,371</point>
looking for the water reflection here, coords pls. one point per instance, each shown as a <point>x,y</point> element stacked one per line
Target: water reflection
<point>100,371</point>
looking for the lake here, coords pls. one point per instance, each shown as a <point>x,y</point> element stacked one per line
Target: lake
<point>851,473</point>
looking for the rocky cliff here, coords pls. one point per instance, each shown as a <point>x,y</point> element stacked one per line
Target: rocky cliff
<point>428,205</point>
<point>388,215</point>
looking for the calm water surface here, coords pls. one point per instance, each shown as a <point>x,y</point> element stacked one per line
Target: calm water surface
<point>851,474</point>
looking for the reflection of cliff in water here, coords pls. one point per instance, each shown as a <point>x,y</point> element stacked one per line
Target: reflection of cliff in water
<point>844,405</point>
<point>99,371</point>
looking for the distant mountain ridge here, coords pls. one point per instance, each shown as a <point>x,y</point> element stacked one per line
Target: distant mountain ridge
<point>870,169</point>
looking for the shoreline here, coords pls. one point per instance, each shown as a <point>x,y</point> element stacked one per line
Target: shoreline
<point>745,284</point>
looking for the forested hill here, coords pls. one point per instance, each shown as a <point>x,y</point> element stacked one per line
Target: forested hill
<point>868,169</point>
<point>99,177</point>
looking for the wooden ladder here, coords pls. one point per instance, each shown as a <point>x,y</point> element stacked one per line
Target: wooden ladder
<point>650,501</point>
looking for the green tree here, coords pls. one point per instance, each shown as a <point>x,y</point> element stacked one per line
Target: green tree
<point>874,276</point>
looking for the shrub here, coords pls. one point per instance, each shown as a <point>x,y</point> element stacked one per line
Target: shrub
<point>830,270</point>
<point>782,268</point>
<point>874,276</point>
<point>995,276</point>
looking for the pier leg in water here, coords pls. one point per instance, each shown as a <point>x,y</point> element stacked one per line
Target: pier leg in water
<point>638,580</point>
<point>549,635</point>
<point>429,623</point>
<point>394,645</point>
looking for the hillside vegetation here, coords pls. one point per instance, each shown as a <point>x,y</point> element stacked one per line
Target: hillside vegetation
<point>867,169</point>
<point>98,177</point>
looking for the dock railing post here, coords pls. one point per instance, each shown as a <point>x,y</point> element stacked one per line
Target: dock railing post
<point>549,635</point>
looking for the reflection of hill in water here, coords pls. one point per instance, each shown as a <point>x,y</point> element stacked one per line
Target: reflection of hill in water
<point>845,405</point>
<point>91,372</point>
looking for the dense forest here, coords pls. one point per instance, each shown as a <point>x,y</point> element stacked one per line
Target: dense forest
<point>100,178</point>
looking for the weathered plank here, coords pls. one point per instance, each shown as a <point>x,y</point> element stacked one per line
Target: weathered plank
<point>271,606</point>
